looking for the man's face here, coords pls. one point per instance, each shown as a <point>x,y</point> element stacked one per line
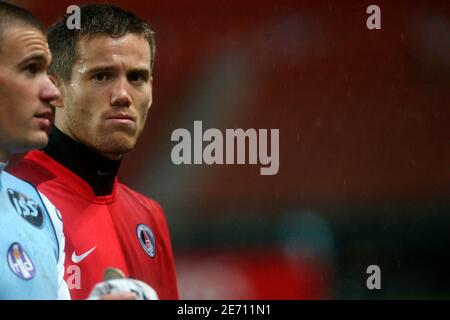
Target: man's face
<point>25,91</point>
<point>106,101</point>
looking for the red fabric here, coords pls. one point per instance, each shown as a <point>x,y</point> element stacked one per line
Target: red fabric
<point>107,223</point>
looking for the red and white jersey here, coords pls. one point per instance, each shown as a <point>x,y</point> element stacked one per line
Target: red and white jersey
<point>125,230</point>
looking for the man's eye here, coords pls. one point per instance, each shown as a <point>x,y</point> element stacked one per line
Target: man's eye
<point>32,68</point>
<point>136,77</point>
<point>101,76</point>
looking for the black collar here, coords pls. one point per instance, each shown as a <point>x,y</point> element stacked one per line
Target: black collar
<point>99,172</point>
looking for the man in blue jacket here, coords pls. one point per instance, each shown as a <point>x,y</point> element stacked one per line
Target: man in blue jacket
<point>31,237</point>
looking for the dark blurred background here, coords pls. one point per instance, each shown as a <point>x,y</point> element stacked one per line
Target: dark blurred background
<point>364,172</point>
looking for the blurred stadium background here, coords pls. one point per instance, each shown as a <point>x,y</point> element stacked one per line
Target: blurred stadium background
<point>364,145</point>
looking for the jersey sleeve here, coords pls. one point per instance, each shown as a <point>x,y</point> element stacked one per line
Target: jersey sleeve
<point>55,216</point>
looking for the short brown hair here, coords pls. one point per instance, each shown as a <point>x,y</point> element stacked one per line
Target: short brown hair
<point>11,15</point>
<point>95,19</point>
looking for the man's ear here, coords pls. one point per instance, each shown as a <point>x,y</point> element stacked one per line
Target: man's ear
<point>151,93</point>
<point>58,103</point>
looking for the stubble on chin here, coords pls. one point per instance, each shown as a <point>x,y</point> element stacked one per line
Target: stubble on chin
<point>113,144</point>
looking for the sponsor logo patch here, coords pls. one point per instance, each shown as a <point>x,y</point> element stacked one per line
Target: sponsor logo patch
<point>26,207</point>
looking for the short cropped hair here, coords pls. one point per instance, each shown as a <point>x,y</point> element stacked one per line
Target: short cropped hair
<point>13,16</point>
<point>96,19</point>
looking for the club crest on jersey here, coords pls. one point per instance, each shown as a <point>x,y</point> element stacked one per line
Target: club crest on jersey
<point>147,240</point>
<point>19,262</point>
<point>26,207</point>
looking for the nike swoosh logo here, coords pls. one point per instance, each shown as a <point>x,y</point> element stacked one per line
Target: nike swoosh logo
<point>78,259</point>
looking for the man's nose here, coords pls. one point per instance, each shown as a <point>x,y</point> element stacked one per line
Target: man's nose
<point>120,95</point>
<point>49,91</point>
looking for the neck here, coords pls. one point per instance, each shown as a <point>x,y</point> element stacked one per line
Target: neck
<point>3,165</point>
<point>2,168</point>
<point>99,171</point>
<point>3,156</point>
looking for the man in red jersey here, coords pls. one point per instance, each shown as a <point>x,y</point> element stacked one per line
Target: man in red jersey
<point>104,73</point>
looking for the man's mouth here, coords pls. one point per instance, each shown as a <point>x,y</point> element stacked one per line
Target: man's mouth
<point>121,118</point>
<point>44,119</point>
